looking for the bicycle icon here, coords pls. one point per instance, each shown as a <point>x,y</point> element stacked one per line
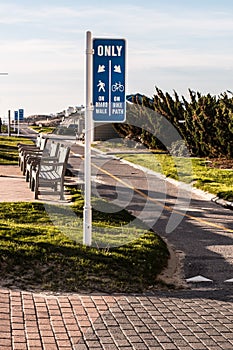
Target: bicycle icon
<point>118,87</point>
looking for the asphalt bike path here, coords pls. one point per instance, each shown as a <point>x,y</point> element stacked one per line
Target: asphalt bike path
<point>200,230</point>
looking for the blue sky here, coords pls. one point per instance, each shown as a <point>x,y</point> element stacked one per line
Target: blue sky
<point>174,45</point>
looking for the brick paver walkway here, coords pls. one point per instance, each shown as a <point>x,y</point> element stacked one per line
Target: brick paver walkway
<point>175,320</point>
<point>13,186</point>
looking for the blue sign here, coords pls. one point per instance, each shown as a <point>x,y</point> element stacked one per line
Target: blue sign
<point>21,114</point>
<point>16,115</point>
<point>109,80</point>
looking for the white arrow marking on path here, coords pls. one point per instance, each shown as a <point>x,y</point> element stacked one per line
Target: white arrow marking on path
<point>229,281</point>
<point>198,279</point>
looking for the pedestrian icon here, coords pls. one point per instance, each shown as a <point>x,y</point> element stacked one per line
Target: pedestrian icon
<point>117,69</point>
<point>101,86</point>
<point>101,68</point>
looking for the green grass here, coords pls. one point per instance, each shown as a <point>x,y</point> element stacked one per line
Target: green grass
<point>4,128</point>
<point>189,170</point>
<point>35,255</point>
<point>9,150</point>
<point>213,180</point>
<point>43,129</point>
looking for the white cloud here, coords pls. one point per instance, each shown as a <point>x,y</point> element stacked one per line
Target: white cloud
<point>43,47</point>
<point>39,55</point>
<point>179,58</point>
<point>127,18</point>
<point>35,45</point>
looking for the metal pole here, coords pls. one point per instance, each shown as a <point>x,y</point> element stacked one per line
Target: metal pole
<point>9,113</point>
<point>87,212</point>
<point>9,123</point>
<point>18,124</point>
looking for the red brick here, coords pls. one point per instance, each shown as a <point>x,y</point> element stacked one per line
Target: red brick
<point>48,340</point>
<point>64,343</point>
<point>46,333</point>
<point>33,343</point>
<point>5,342</point>
<point>50,347</point>
<point>19,346</point>
<point>61,336</point>
<point>17,332</point>
<point>18,326</point>
<point>4,328</point>
<point>19,338</point>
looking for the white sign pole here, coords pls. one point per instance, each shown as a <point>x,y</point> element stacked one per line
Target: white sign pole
<point>87,212</point>
<point>18,124</point>
<point>9,123</point>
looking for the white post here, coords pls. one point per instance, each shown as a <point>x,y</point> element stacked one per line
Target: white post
<point>9,123</point>
<point>87,212</point>
<point>18,124</point>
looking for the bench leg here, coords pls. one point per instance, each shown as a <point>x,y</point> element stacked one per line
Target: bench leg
<point>36,194</point>
<point>27,176</point>
<point>36,186</point>
<point>62,189</point>
<point>32,184</point>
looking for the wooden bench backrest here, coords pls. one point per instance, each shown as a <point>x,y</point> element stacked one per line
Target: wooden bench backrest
<point>54,149</point>
<point>63,155</point>
<point>38,140</point>
<point>51,149</point>
<point>43,143</point>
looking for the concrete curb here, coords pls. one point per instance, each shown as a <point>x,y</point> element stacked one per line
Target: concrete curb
<point>224,203</point>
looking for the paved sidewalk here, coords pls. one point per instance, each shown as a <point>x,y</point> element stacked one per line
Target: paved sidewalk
<point>13,186</point>
<point>176,320</point>
<point>186,319</point>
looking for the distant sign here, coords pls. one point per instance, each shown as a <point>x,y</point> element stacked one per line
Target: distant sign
<point>16,115</point>
<point>109,80</point>
<point>21,114</point>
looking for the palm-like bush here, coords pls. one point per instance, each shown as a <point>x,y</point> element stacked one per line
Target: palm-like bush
<point>205,123</point>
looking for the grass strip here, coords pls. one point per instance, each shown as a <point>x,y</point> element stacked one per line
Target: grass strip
<point>189,170</point>
<point>35,255</point>
<point>9,149</point>
<point>42,129</point>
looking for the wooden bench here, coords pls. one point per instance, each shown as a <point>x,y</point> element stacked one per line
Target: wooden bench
<point>24,152</point>
<point>50,173</point>
<point>50,153</point>
<point>26,145</point>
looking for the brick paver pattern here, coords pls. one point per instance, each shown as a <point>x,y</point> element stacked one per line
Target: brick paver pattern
<point>34,321</point>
